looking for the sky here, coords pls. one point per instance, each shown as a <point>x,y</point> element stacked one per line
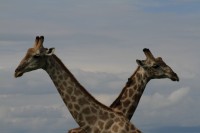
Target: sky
<point>99,42</point>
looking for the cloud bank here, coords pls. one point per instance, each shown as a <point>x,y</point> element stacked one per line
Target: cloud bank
<point>99,42</point>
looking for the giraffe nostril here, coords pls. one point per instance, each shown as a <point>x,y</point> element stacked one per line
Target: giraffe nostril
<point>16,70</point>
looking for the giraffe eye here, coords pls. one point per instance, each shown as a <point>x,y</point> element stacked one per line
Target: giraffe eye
<point>156,66</point>
<point>36,56</point>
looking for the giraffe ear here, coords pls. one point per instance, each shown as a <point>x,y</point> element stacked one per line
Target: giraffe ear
<point>139,62</point>
<point>50,51</point>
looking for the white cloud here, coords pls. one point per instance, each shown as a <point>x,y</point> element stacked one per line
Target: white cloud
<point>33,118</point>
<point>157,100</point>
<point>106,99</point>
<point>178,95</point>
<point>167,110</point>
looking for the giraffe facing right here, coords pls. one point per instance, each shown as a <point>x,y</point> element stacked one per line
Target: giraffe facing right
<point>151,68</point>
<point>128,99</point>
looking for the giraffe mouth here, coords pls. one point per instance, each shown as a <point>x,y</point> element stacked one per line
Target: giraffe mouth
<point>175,77</point>
<point>18,74</point>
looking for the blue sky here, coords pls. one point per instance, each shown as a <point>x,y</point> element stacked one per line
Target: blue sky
<point>99,42</point>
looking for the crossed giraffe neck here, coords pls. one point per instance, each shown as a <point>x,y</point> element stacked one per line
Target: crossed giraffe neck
<point>91,115</point>
<point>128,99</point>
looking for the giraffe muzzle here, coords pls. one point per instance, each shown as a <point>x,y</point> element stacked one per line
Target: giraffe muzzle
<point>175,77</point>
<point>18,73</point>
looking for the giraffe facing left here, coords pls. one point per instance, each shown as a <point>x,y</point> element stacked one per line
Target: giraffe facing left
<point>91,115</point>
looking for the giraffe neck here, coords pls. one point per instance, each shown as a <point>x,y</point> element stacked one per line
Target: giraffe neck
<point>129,98</point>
<point>80,103</point>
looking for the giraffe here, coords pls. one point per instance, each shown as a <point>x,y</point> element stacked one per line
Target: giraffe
<point>91,115</point>
<point>151,68</point>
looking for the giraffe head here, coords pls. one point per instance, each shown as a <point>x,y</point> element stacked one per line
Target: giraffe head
<point>156,68</point>
<point>35,57</point>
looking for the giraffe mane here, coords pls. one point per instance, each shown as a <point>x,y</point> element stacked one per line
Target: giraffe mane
<point>117,101</point>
